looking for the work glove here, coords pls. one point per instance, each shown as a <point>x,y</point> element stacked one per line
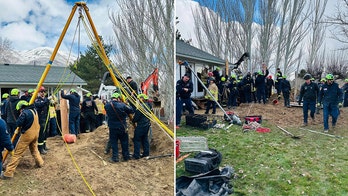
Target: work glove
<point>12,152</point>
<point>318,104</point>
<point>339,104</point>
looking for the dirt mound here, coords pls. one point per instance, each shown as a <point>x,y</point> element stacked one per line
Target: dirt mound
<point>74,169</point>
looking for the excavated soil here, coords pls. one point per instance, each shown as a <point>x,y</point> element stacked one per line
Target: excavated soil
<point>73,169</point>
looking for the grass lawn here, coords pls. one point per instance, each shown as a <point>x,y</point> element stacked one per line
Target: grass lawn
<point>276,164</point>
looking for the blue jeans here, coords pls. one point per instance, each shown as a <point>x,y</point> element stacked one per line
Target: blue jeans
<point>308,105</point>
<point>116,134</point>
<point>74,122</point>
<point>141,139</point>
<point>179,107</point>
<point>330,109</point>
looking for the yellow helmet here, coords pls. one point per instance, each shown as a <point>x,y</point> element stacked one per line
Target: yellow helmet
<point>143,96</point>
<point>5,95</point>
<point>115,95</point>
<point>14,92</point>
<point>89,95</point>
<point>21,104</point>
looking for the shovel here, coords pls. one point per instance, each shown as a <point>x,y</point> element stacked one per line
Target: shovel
<point>287,132</point>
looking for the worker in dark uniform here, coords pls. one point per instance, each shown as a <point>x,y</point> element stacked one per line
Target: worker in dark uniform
<point>184,88</point>
<point>142,128</point>
<point>278,83</point>
<point>42,105</point>
<point>5,141</point>
<point>88,110</point>
<point>309,92</point>
<point>133,91</point>
<point>74,110</point>
<point>331,97</point>
<point>5,98</point>
<point>286,89</point>
<point>345,93</point>
<point>248,84</point>
<point>11,114</point>
<point>30,127</point>
<point>117,113</point>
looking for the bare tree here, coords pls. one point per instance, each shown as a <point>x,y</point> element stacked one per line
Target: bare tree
<point>317,34</point>
<point>336,64</point>
<point>144,33</point>
<point>340,21</point>
<point>5,50</point>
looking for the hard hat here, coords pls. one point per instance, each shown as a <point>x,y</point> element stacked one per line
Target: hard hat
<point>307,76</point>
<point>31,90</point>
<point>329,77</point>
<point>284,76</point>
<point>323,80</point>
<point>278,74</point>
<point>73,90</point>
<point>233,76</point>
<point>115,95</point>
<point>218,68</point>
<point>212,79</point>
<point>260,73</point>
<point>312,79</point>
<point>89,94</point>
<point>21,104</point>
<point>346,80</point>
<point>14,92</point>
<point>223,79</point>
<point>142,96</point>
<point>42,89</point>
<point>5,95</point>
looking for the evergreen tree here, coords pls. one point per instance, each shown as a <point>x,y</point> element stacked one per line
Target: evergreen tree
<point>91,68</point>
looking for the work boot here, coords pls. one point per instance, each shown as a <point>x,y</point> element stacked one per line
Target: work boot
<point>304,125</point>
<point>42,150</point>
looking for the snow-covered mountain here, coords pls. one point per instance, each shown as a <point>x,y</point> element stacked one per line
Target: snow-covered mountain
<point>40,56</point>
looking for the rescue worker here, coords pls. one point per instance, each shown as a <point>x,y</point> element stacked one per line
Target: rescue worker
<point>117,113</point>
<point>5,98</point>
<point>217,75</point>
<point>286,89</point>
<point>269,86</point>
<point>248,85</point>
<point>184,88</point>
<point>74,110</point>
<point>278,83</point>
<point>320,85</point>
<point>141,132</point>
<point>42,104</point>
<point>214,90</point>
<point>133,90</point>
<point>88,111</point>
<point>233,94</point>
<point>29,123</point>
<point>11,114</point>
<point>309,92</point>
<point>100,114</point>
<point>5,141</point>
<point>53,117</point>
<point>345,92</point>
<point>331,97</point>
<point>260,84</point>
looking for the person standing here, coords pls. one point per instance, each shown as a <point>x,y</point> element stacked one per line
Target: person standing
<point>74,110</point>
<point>233,94</point>
<point>30,127</point>
<point>278,83</point>
<point>11,114</point>
<point>133,91</point>
<point>345,92</point>
<point>248,85</point>
<point>320,85</point>
<point>184,88</point>
<point>214,90</point>
<point>42,105</point>
<point>5,98</point>
<point>260,84</point>
<point>53,117</point>
<point>331,97</point>
<point>88,110</point>
<point>286,89</point>
<point>100,114</point>
<point>308,92</point>
<point>117,113</point>
<point>141,132</point>
<point>5,141</point>
<point>269,86</point>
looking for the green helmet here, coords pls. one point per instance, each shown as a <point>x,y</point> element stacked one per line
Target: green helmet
<point>284,76</point>
<point>307,77</point>
<point>346,80</point>
<point>260,73</point>
<point>323,80</point>
<point>89,95</point>
<point>31,90</point>
<point>218,68</point>
<point>143,96</point>
<point>21,104</point>
<point>116,95</point>
<point>5,95</point>
<point>14,92</point>
<point>73,90</point>
<point>329,77</point>
<point>223,79</point>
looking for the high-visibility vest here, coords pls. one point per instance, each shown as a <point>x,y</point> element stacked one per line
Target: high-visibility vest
<point>52,111</point>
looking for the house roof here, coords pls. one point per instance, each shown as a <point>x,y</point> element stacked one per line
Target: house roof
<point>31,74</point>
<point>189,52</point>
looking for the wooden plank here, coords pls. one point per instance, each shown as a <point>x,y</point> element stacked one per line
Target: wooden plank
<point>64,115</point>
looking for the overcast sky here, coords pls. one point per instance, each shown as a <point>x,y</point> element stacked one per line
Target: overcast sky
<point>29,24</point>
<point>186,24</point>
